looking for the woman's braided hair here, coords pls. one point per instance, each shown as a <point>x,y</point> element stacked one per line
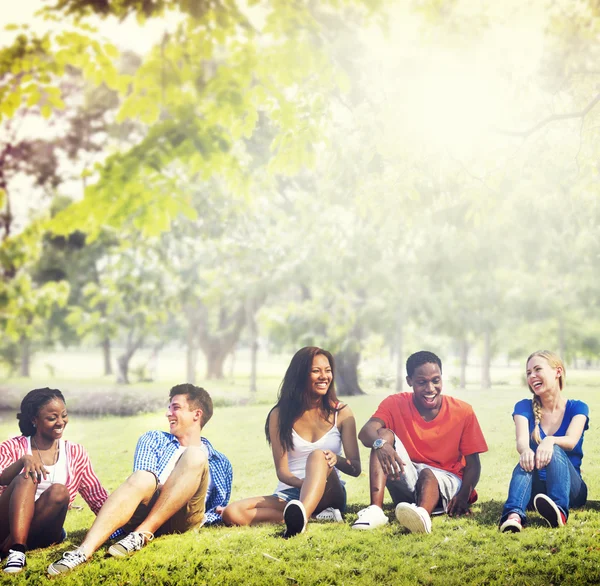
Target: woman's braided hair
<point>555,362</point>
<point>31,405</point>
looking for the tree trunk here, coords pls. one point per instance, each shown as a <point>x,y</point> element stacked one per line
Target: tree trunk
<point>464,356</point>
<point>218,345</point>
<point>123,369</point>
<point>232,365</point>
<point>486,381</point>
<point>399,351</point>
<point>25,357</point>
<point>123,361</point>
<point>191,356</point>
<point>215,358</point>
<point>253,334</point>
<point>346,373</point>
<point>106,353</point>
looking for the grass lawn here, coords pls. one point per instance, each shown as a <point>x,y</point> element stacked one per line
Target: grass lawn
<point>467,550</point>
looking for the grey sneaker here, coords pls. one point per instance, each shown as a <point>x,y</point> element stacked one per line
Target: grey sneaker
<point>69,560</point>
<point>15,562</point>
<point>130,544</point>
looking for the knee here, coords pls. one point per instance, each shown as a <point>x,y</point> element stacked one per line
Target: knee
<point>426,476</point>
<point>559,457</point>
<point>142,480</point>
<point>233,515</point>
<point>58,495</point>
<point>193,457</point>
<point>317,457</point>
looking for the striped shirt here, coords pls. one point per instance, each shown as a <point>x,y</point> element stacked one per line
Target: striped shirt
<point>81,477</point>
<point>154,451</point>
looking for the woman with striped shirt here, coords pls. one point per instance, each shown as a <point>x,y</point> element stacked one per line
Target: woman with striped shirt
<point>40,476</point>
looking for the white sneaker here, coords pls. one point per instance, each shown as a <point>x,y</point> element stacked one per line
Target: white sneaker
<point>370,518</point>
<point>415,519</point>
<point>330,514</point>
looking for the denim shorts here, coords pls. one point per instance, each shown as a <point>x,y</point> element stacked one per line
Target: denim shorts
<point>293,494</point>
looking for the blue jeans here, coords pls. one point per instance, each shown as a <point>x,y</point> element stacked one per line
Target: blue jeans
<point>563,485</point>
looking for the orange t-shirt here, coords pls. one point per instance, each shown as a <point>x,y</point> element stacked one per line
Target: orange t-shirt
<point>443,442</point>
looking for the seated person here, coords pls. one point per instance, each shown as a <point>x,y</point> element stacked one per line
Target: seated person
<point>313,439</point>
<point>40,475</point>
<point>179,483</point>
<point>424,448</point>
<point>549,429</point>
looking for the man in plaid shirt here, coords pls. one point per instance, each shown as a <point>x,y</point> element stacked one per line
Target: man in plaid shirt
<point>179,482</point>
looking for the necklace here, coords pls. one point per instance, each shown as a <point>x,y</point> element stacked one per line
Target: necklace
<point>54,459</point>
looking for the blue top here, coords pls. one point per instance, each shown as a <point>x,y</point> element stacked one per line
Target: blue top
<point>573,407</point>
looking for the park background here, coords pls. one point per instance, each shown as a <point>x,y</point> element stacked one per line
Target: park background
<point>191,190</point>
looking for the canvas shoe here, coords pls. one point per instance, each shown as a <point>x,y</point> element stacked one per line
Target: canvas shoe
<point>512,525</point>
<point>330,514</point>
<point>415,519</point>
<point>547,508</point>
<point>294,516</point>
<point>130,544</point>
<point>370,518</point>
<point>69,560</point>
<point>15,562</point>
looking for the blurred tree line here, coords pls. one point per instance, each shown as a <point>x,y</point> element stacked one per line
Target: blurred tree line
<point>248,179</point>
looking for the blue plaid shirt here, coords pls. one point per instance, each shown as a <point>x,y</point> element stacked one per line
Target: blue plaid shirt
<point>154,450</point>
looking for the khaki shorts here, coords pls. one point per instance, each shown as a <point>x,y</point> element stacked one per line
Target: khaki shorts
<point>190,516</point>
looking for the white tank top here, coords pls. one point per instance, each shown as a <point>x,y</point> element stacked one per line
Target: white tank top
<point>57,474</point>
<point>298,456</point>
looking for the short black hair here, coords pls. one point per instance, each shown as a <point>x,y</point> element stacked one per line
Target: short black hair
<point>197,397</point>
<point>31,404</point>
<point>418,359</point>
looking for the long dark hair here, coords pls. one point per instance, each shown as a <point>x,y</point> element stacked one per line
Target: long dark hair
<point>31,404</point>
<point>293,397</point>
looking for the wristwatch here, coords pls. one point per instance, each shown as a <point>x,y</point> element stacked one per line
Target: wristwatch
<point>378,443</point>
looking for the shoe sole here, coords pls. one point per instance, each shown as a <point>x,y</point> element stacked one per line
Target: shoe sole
<point>409,518</point>
<point>117,552</point>
<point>367,526</point>
<point>11,571</point>
<point>53,572</point>
<point>547,509</point>
<point>511,527</point>
<point>294,520</point>
<point>334,518</point>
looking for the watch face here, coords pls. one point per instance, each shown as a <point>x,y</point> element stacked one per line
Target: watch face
<point>378,443</point>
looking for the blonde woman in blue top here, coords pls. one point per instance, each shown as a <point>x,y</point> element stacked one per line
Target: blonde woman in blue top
<point>549,431</point>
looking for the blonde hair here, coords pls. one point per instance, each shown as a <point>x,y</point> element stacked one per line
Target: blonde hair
<point>555,362</point>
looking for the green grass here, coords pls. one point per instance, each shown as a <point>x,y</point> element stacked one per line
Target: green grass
<point>458,551</point>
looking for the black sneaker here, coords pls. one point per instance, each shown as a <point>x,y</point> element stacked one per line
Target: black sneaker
<point>547,508</point>
<point>15,562</point>
<point>294,516</point>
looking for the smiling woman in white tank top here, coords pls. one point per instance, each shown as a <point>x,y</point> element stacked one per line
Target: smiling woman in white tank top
<point>313,439</point>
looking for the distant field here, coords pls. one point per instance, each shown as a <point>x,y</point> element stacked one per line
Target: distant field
<point>78,372</point>
<point>459,551</point>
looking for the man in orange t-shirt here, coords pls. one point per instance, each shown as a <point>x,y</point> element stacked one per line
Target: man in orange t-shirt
<point>425,448</point>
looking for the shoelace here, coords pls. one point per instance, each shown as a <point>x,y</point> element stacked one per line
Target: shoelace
<point>15,559</point>
<point>71,559</point>
<point>136,540</point>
